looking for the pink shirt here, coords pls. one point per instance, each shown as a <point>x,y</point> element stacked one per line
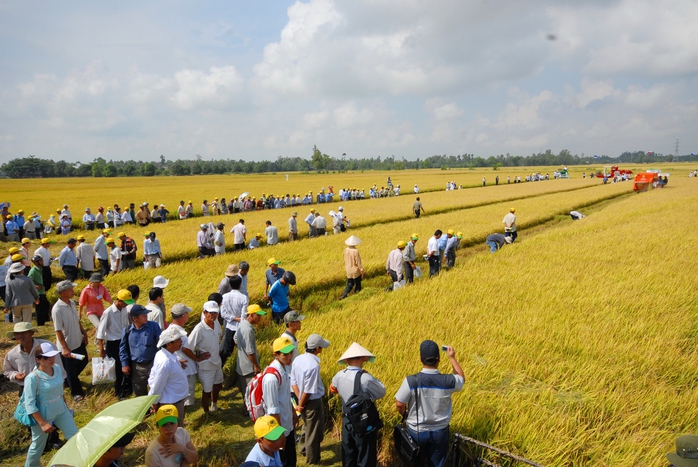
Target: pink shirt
<point>92,299</point>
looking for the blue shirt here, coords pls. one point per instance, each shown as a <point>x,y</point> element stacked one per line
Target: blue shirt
<point>442,242</point>
<point>11,227</point>
<point>139,345</point>
<point>101,248</point>
<point>259,456</point>
<point>271,277</point>
<point>67,258</point>
<point>450,244</point>
<point>279,297</point>
<point>44,393</point>
<point>19,219</point>
<point>151,247</point>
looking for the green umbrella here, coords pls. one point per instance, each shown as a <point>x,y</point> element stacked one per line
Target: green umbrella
<point>94,439</point>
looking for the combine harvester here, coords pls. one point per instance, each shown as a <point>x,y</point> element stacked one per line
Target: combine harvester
<point>649,180</point>
<point>611,171</point>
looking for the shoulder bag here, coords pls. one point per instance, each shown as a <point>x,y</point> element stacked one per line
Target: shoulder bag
<point>361,410</point>
<point>21,414</point>
<point>406,447</point>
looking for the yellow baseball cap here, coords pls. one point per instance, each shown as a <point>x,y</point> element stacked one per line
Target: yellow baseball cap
<point>81,237</point>
<point>168,414</point>
<point>267,427</point>
<point>121,234</point>
<point>26,240</point>
<point>450,232</point>
<point>255,309</point>
<point>401,244</point>
<point>45,240</point>
<point>271,261</point>
<point>13,250</point>
<point>283,345</point>
<point>459,235</point>
<point>110,240</point>
<point>17,257</point>
<point>415,237</point>
<point>125,296</point>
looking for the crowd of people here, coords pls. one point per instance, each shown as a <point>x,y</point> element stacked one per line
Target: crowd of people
<point>158,357</point>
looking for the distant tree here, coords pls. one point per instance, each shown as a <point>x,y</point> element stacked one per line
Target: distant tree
<point>320,161</point>
<point>149,169</point>
<point>110,170</point>
<point>97,170</point>
<point>83,170</point>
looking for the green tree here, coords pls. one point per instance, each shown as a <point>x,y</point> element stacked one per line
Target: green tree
<point>148,169</point>
<point>320,161</point>
<point>110,170</point>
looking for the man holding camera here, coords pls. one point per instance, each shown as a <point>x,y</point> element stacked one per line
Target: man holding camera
<point>424,400</point>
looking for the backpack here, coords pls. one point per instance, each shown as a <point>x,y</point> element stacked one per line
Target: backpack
<point>253,393</point>
<point>361,410</point>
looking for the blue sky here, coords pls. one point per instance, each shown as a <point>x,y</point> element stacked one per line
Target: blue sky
<point>258,80</point>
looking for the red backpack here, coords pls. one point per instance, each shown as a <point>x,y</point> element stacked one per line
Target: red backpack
<point>253,393</point>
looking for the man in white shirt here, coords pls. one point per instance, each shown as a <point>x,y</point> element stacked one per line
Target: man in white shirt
<point>71,337</point>
<point>219,239</point>
<point>320,224</point>
<point>233,310</point>
<point>111,327</point>
<point>293,227</point>
<point>239,232</point>
<point>155,313</point>
<point>205,340</point>
<point>180,316</point>
<point>306,384</point>
<point>393,266</point>
<point>86,257</point>
<point>203,243</point>
<point>309,220</point>
<point>276,396</point>
<point>433,254</point>
<point>509,222</point>
<point>182,210</point>
<point>167,379</point>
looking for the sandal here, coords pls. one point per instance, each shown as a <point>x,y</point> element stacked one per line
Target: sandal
<point>78,398</point>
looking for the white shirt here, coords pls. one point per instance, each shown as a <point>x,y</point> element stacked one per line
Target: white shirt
<point>510,222</point>
<point>191,364</point>
<point>115,255</point>
<point>167,379</point>
<point>319,222</point>
<point>305,373</point>
<point>112,324</point>
<point>206,339</point>
<point>433,246</point>
<point>45,253</point>
<point>234,305</point>
<point>277,398</point>
<point>219,241</point>
<point>238,231</point>
<point>156,314</point>
<point>272,234</point>
<point>86,256</point>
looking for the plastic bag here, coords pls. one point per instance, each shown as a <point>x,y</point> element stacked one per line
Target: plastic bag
<point>418,272</point>
<point>398,285</point>
<point>103,370</point>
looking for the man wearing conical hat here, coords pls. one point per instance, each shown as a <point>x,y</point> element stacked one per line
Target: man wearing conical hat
<point>352,263</point>
<point>356,450</point>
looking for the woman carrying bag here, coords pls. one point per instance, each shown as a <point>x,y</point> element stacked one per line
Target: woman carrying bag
<point>44,401</point>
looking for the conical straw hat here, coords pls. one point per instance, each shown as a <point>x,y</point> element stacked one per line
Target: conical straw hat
<point>355,351</point>
<point>352,241</point>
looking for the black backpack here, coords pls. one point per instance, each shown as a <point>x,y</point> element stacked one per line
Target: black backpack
<point>361,410</point>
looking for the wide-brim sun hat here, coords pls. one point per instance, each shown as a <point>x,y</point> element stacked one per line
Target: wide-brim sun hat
<point>160,281</point>
<point>352,241</point>
<point>22,326</point>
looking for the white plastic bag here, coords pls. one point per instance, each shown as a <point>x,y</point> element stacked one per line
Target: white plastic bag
<point>398,285</point>
<point>103,370</point>
<point>418,272</point>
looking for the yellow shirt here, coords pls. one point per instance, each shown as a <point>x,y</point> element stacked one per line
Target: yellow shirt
<point>352,262</point>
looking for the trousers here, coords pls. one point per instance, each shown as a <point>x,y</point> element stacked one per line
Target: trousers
<point>357,451</point>
<point>64,422</point>
<point>122,385</point>
<point>73,368</point>
<point>314,426</point>
<point>227,345</point>
<point>433,446</point>
<point>352,284</point>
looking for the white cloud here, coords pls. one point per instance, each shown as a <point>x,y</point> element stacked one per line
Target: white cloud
<point>197,89</point>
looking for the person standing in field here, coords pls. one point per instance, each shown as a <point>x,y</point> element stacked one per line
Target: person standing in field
<point>311,228</point>
<point>417,208</point>
<point>273,274</point>
<point>205,339</point>
<point>219,239</point>
<point>272,234</point>
<point>306,384</point>
<point>279,296</point>
<point>357,450</point>
<point>409,257</point>
<point>45,254</point>
<point>450,250</point>
<point>182,210</point>
<point>167,379</point>
<point>509,222</point>
<point>114,255</point>
<point>190,209</point>
<point>111,327</point>
<point>424,401</point>
<point>239,232</point>
<point>92,299</point>
<point>292,320</point>
<point>128,251</point>
<point>233,308</point>
<point>320,224</point>
<point>36,274</point>
<point>246,340</point>
<point>68,261</point>
<point>101,253</point>
<point>352,264</point>
<point>293,227</point>
<point>204,208</point>
<point>86,257</point>
<point>393,267</point>
<point>138,347</point>
<point>433,254</point>
<point>71,337</point>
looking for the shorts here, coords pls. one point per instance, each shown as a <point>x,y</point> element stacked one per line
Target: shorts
<point>208,378</point>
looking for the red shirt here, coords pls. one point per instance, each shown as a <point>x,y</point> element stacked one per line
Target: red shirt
<point>93,299</point>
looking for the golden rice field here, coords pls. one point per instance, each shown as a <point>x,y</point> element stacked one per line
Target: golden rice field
<point>578,341</point>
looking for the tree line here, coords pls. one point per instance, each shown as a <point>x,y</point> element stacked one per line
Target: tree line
<point>34,167</point>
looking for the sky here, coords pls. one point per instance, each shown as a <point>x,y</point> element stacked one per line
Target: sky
<point>256,80</point>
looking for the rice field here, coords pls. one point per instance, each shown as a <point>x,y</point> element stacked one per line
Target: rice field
<point>577,341</point>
